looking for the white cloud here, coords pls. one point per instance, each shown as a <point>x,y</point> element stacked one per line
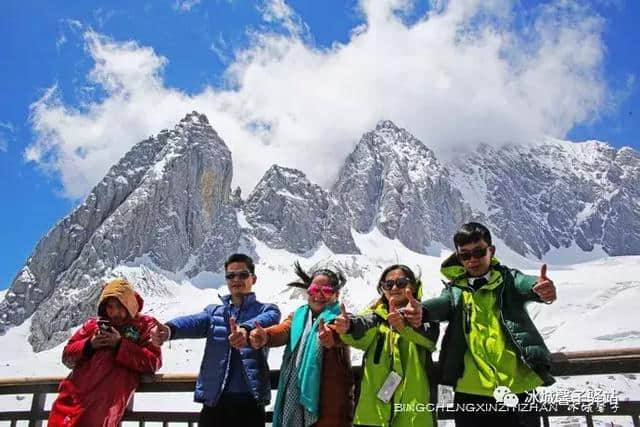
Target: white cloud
<point>6,132</point>
<point>462,74</point>
<point>67,26</point>
<point>221,49</point>
<point>61,41</point>
<point>185,5</point>
<point>277,11</point>
<point>102,16</point>
<point>7,126</point>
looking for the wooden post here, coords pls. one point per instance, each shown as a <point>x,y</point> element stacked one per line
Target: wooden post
<point>37,409</point>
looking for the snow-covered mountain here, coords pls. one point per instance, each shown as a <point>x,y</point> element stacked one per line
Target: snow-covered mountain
<point>556,194</point>
<point>166,214</point>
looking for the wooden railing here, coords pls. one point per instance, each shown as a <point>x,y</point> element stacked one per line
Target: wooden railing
<point>600,362</point>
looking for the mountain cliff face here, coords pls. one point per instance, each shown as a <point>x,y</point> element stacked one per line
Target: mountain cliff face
<point>287,211</point>
<point>556,195</point>
<point>167,200</point>
<point>168,203</point>
<point>393,182</point>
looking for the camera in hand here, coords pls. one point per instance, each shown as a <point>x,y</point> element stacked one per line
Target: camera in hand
<point>104,325</point>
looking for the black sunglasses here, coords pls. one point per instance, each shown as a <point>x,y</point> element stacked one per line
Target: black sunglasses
<point>476,253</point>
<point>242,275</point>
<point>401,283</point>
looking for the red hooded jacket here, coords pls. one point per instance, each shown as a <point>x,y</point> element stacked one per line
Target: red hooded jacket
<point>102,381</point>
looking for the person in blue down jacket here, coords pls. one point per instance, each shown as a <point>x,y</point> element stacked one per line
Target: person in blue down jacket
<point>233,384</point>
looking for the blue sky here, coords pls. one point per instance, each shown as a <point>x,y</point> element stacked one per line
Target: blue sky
<point>81,82</point>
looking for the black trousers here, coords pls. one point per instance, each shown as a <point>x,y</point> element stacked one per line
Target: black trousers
<point>233,411</point>
<point>482,418</point>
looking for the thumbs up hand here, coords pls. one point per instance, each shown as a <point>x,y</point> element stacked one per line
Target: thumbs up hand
<point>237,336</point>
<point>413,310</point>
<point>258,336</point>
<point>545,288</point>
<point>325,335</point>
<point>342,322</point>
<point>158,334</point>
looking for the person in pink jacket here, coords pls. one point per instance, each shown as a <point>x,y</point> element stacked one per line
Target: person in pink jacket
<point>107,355</point>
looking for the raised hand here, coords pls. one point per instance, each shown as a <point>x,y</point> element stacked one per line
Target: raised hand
<point>237,336</point>
<point>413,310</point>
<point>396,319</point>
<point>159,334</point>
<point>325,335</point>
<point>342,322</point>
<point>545,288</point>
<point>258,336</point>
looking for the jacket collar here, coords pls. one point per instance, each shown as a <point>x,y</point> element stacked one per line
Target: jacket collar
<point>452,269</point>
<point>249,298</point>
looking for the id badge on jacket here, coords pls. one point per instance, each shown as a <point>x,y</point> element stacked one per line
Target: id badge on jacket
<point>389,387</point>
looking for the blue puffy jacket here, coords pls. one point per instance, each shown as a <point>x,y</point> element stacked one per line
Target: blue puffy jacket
<point>213,323</point>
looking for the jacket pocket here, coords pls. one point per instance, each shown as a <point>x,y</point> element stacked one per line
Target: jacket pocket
<point>378,352</point>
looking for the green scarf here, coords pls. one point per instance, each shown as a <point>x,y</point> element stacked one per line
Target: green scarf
<point>310,371</point>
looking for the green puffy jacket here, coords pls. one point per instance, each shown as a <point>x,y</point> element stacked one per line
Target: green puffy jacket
<point>502,346</point>
<point>406,352</point>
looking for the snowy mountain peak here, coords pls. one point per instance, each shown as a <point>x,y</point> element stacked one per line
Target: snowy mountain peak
<point>167,202</point>
<point>167,205</point>
<point>286,210</point>
<point>383,125</point>
<point>393,182</point>
<point>283,173</point>
<point>194,117</point>
<point>555,195</point>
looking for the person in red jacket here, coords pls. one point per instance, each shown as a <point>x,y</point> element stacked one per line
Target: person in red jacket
<point>106,356</point>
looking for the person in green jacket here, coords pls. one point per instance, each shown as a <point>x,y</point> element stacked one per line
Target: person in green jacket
<point>393,351</point>
<point>491,347</point>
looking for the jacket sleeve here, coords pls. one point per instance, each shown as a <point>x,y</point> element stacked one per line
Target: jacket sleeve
<point>523,284</point>
<point>192,326</point>
<point>363,331</point>
<point>76,349</point>
<point>419,336</point>
<point>269,316</point>
<point>279,334</point>
<point>144,358</point>
<point>437,309</point>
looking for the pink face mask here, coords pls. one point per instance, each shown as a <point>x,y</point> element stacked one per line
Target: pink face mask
<point>316,291</point>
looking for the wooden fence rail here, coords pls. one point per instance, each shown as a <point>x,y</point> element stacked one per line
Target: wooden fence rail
<point>569,364</point>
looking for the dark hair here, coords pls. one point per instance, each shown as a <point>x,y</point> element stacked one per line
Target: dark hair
<point>246,259</point>
<point>336,280</point>
<point>471,232</point>
<point>407,272</point>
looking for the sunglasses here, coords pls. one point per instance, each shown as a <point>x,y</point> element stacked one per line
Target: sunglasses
<point>242,275</point>
<point>476,253</point>
<point>325,291</point>
<point>401,283</point>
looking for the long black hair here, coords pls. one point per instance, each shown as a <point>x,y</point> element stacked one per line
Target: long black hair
<point>336,279</point>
